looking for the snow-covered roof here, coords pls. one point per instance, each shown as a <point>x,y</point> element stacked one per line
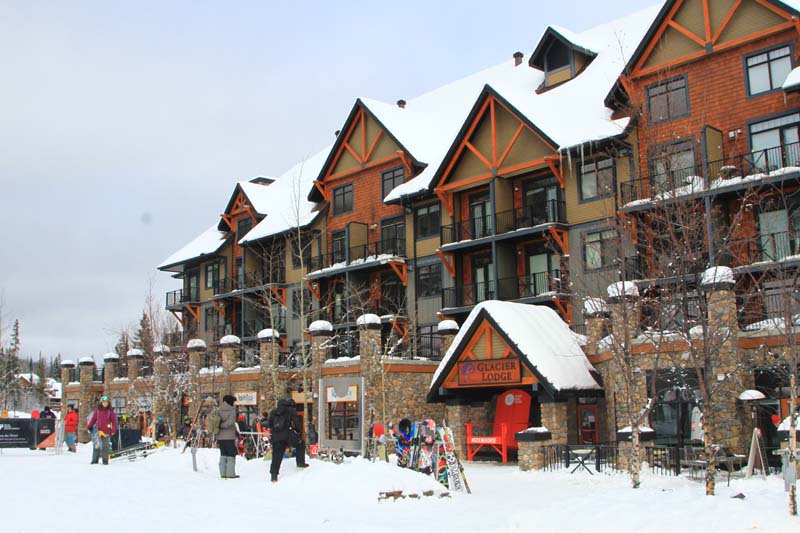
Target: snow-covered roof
<point>230,339</point>
<point>196,343</point>
<point>367,319</point>
<point>792,81</point>
<point>206,243</point>
<point>259,195</point>
<point>542,340</point>
<point>269,334</point>
<point>570,114</point>
<point>287,206</point>
<point>717,274</point>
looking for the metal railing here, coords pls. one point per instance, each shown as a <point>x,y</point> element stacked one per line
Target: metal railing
<point>529,285</point>
<point>603,457</point>
<point>182,296</point>
<point>469,294</point>
<point>679,182</point>
<point>252,327</point>
<point>550,211</point>
<point>765,247</point>
<point>758,305</point>
<point>395,246</point>
<point>429,346</point>
<point>250,280</point>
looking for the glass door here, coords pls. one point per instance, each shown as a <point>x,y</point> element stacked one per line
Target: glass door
<point>393,236</point>
<point>541,205</point>
<point>587,422</point>
<point>480,216</point>
<point>538,274</point>
<point>774,235</point>
<point>483,278</point>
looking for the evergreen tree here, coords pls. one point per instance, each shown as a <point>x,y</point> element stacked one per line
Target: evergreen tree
<point>121,348</point>
<point>39,381</point>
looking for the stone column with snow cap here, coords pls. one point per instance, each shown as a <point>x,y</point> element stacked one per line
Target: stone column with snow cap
<point>269,346</point>
<point>87,399</point>
<point>110,371</point>
<point>596,315</point>
<point>230,346</point>
<point>370,352</point>
<point>733,423</point>
<point>135,356</point>
<point>321,332</point>
<point>161,379</point>
<point>447,330</point>
<point>623,301</point>
<point>67,376</point>
<point>197,354</point>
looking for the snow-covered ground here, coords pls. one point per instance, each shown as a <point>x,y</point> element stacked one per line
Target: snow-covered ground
<point>44,492</point>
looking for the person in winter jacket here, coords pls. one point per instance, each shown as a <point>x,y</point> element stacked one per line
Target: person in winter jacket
<point>47,413</point>
<point>162,430</point>
<point>284,426</point>
<point>71,429</point>
<point>186,429</point>
<point>105,421</point>
<point>226,438</point>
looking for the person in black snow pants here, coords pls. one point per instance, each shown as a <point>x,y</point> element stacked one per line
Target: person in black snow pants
<point>284,426</point>
<point>226,438</point>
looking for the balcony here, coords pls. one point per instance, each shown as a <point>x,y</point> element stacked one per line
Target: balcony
<point>250,281</point>
<point>467,295</point>
<point>724,175</point>
<point>181,296</point>
<point>363,254</point>
<point>765,248</point>
<point>550,212</point>
<point>536,285</point>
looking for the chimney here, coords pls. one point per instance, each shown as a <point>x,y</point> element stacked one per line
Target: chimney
<point>518,58</point>
<point>401,104</point>
<point>336,133</point>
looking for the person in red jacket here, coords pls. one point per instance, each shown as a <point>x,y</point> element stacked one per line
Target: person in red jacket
<point>71,429</point>
<point>105,421</point>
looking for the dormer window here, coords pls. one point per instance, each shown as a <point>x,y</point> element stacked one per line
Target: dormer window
<point>561,55</point>
<point>557,57</point>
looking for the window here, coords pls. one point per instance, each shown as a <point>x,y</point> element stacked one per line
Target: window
<point>597,179</point>
<point>556,57</point>
<point>429,280</point>
<point>212,275</point>
<point>243,226</point>
<point>391,179</point>
<point>393,236</point>
<point>668,100</point>
<point>427,221</point>
<point>774,143</point>
<point>768,70</point>
<point>338,244</point>
<point>211,319</point>
<point>192,287</point>
<point>672,164</point>
<point>598,249</point>
<point>343,199</point>
<point>118,404</point>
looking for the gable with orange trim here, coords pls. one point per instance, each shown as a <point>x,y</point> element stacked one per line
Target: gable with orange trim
<point>488,361</point>
<point>691,29</point>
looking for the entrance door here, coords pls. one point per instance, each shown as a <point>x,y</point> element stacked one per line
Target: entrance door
<point>587,424</point>
<point>482,278</point>
<point>538,274</point>
<point>480,216</point>
<point>541,204</point>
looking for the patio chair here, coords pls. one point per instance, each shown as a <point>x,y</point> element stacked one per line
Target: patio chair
<point>511,415</point>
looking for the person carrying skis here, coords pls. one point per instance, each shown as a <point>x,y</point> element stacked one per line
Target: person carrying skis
<point>284,426</point>
<point>71,429</point>
<point>105,420</point>
<point>226,438</point>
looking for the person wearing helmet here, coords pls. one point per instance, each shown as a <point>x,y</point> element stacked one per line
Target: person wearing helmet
<point>104,420</point>
<point>162,430</point>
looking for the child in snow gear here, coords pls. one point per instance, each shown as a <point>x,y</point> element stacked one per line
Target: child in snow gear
<point>226,437</point>
<point>105,421</point>
<point>71,429</point>
<point>162,430</point>
<point>284,426</point>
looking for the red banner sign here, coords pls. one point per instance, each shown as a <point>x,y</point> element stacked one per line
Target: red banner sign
<point>489,372</point>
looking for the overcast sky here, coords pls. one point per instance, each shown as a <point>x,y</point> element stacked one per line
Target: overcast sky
<point>124,125</point>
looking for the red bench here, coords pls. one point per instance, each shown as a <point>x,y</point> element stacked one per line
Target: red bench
<point>511,415</point>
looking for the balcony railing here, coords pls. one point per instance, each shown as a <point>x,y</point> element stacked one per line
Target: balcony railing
<point>429,346</point>
<point>470,294</point>
<point>252,327</point>
<point>685,181</point>
<point>182,296</point>
<point>547,212</point>
<point>765,247</point>
<point>250,280</point>
<point>529,285</point>
<point>395,246</point>
<point>772,307</point>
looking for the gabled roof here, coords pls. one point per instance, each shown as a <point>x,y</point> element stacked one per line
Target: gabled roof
<point>287,207</point>
<point>206,243</point>
<point>541,340</point>
<point>255,194</point>
<point>570,114</point>
<point>569,38</point>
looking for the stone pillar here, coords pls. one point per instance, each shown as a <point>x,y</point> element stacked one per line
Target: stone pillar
<point>596,314</point>
<point>67,374</point>
<point>623,300</point>
<point>554,418</point>
<point>733,425</point>
<point>321,331</point>
<point>230,346</point>
<point>135,358</point>
<point>110,371</point>
<point>269,346</point>
<point>197,353</point>
<point>447,330</point>
<point>369,343</point>
<point>161,392</point>
<point>87,399</point>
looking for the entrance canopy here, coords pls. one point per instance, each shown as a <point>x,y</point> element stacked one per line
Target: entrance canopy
<point>505,344</point>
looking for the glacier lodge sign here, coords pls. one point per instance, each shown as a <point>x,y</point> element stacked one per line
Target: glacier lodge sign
<point>489,372</point>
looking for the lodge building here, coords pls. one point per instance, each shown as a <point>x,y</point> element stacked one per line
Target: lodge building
<point>521,191</point>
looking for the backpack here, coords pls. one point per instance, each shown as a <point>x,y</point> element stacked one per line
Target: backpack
<point>213,422</point>
<point>278,421</point>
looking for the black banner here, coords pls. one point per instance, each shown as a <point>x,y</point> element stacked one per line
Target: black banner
<point>25,432</point>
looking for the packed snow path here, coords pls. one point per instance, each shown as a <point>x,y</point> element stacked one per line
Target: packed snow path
<point>44,492</point>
